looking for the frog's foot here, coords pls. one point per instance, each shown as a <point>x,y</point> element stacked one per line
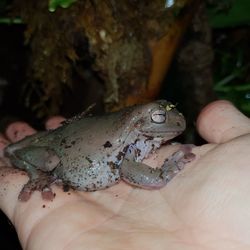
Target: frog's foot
<point>40,183</point>
<point>177,161</point>
<point>144,176</point>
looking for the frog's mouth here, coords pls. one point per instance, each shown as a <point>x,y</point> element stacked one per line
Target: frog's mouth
<point>162,132</point>
<point>162,136</point>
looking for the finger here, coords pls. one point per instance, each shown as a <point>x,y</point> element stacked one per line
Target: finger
<point>220,122</point>
<point>54,122</point>
<point>18,130</point>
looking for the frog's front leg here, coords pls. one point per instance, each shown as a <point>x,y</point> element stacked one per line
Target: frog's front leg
<point>144,176</point>
<point>38,162</point>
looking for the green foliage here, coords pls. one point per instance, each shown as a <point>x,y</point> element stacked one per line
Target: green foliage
<point>54,4</point>
<point>229,13</point>
<point>230,75</point>
<point>232,65</point>
<point>7,20</point>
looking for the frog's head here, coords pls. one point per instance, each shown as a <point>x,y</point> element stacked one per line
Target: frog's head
<point>159,119</point>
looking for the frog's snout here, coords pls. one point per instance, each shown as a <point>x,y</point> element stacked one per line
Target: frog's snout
<point>177,121</point>
<point>7,152</point>
<point>181,122</point>
<point>11,149</point>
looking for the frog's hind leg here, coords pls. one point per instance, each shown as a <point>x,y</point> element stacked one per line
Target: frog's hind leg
<point>144,176</point>
<point>41,183</point>
<point>38,162</point>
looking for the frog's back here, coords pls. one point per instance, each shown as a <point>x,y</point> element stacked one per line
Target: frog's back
<point>89,136</point>
<point>91,151</point>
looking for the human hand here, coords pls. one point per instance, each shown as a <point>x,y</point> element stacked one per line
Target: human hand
<point>206,206</point>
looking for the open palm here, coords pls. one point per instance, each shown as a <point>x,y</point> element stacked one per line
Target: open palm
<point>206,206</point>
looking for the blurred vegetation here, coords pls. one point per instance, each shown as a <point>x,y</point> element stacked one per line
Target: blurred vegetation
<point>54,4</point>
<point>232,80</point>
<point>229,13</point>
<point>230,21</point>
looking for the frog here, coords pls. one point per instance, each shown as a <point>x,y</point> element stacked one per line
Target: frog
<point>94,152</point>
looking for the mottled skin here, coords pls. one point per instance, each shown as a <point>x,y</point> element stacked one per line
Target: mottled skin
<point>94,152</point>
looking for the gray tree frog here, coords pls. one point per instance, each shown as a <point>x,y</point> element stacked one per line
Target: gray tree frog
<point>95,152</point>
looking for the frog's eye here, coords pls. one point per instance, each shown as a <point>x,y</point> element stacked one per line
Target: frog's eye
<point>158,116</point>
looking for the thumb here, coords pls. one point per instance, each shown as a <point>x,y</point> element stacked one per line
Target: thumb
<point>220,122</point>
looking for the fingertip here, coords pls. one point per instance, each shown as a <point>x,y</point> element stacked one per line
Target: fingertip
<point>54,122</point>
<point>221,121</point>
<point>208,110</point>
<point>18,130</point>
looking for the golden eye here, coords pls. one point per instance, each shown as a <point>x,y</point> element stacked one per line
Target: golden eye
<point>158,116</point>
